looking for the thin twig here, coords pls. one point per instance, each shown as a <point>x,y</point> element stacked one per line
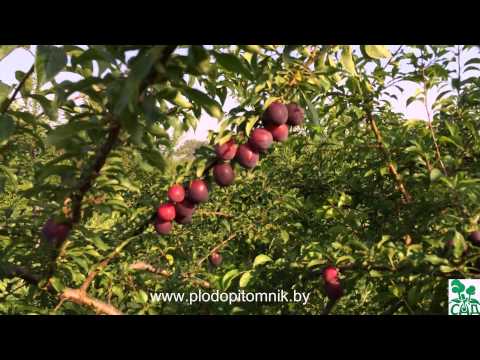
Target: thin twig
<point>103,264</point>
<point>141,265</point>
<point>7,103</point>
<point>393,56</point>
<point>214,213</point>
<point>216,248</point>
<point>391,167</point>
<point>91,173</point>
<point>430,127</point>
<point>80,297</point>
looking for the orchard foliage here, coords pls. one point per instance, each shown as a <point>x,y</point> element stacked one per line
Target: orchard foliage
<point>368,211</point>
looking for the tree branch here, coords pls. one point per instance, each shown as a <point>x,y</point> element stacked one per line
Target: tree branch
<point>214,213</point>
<point>11,271</point>
<point>91,173</point>
<point>103,264</point>
<point>143,266</point>
<point>391,167</point>
<point>430,127</point>
<point>216,248</point>
<point>81,297</point>
<point>8,102</point>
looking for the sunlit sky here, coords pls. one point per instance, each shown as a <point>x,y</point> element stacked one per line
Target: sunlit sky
<point>21,59</point>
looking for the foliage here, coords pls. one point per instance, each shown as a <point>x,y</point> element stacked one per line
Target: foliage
<point>387,200</point>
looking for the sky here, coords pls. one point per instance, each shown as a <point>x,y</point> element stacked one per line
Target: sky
<point>21,59</point>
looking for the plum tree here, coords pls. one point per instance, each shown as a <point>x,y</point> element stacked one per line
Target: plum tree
<point>224,174</point>
<point>359,185</point>
<point>198,191</point>
<point>276,113</point>
<point>247,157</point>
<point>260,140</point>
<point>215,258</point>
<point>163,227</point>
<point>279,132</point>
<point>176,193</point>
<point>226,151</point>
<point>166,212</point>
<point>296,114</point>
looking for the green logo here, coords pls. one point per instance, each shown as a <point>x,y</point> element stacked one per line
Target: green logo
<point>463,297</point>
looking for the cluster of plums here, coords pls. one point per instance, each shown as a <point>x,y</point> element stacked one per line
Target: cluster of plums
<point>183,200</point>
<point>276,119</point>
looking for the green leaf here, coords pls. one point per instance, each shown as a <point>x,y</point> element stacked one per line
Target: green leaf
<point>169,259</point>
<point>232,63</point>
<point>315,262</point>
<point>212,107</point>
<point>458,245</point>
<point>435,174</point>
<point>412,296</point>
<point>5,50</point>
<point>57,284</point>
<point>255,49</point>
<point>435,260</point>
<point>261,259</point>
<point>269,102</point>
<point>377,51</point>
<point>284,235</point>
<point>10,175</point>
<point>199,59</point>
<point>347,60</point>
<point>228,277</point>
<point>67,131</point>
<point>345,258</point>
<point>201,165</point>
<point>154,158</point>
<point>375,274</point>
<point>49,61</point>
<point>245,279</point>
<point>446,269</point>
<point>4,91</point>
<point>311,110</point>
<point>250,124</point>
<point>99,243</point>
<point>7,127</point>
<point>47,106</point>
